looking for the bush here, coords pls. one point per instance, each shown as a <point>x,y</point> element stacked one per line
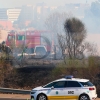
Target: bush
<point>87,68</point>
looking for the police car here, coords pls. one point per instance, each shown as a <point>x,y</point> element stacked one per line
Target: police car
<point>67,88</point>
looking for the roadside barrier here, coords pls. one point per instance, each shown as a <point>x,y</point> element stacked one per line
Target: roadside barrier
<point>15,91</point>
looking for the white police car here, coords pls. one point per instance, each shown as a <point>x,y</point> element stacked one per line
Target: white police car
<point>67,88</point>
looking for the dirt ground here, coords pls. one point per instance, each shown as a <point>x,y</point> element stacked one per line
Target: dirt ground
<point>19,96</point>
<point>15,96</point>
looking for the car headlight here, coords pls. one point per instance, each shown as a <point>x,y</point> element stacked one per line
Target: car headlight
<point>33,91</point>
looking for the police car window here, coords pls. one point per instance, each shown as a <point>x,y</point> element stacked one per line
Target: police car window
<point>60,84</point>
<point>49,85</point>
<point>73,84</point>
<point>86,83</point>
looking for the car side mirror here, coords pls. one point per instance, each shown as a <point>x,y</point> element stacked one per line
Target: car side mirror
<point>52,87</point>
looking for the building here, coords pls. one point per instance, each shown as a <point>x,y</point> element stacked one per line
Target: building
<point>3,14</point>
<point>41,11</point>
<point>4,22</point>
<point>3,35</point>
<point>6,25</point>
<point>77,9</point>
<point>13,14</point>
<point>26,13</point>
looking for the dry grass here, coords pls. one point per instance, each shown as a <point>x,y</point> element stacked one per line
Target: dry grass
<point>28,78</point>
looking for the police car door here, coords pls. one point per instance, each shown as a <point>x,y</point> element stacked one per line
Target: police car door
<point>57,91</point>
<point>72,90</point>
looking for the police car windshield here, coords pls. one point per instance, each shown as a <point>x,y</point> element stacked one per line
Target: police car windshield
<point>49,85</point>
<point>86,84</point>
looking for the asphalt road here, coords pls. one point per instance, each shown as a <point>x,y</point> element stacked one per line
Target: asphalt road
<point>12,99</point>
<point>25,99</point>
<point>20,99</point>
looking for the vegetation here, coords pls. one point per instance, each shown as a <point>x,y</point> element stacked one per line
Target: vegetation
<point>55,24</point>
<point>30,77</point>
<point>72,41</point>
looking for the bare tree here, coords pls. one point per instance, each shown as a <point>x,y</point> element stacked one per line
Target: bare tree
<point>54,23</point>
<point>91,49</point>
<point>75,33</point>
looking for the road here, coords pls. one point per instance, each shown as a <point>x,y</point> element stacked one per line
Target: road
<point>12,99</point>
<point>17,97</point>
<point>21,99</point>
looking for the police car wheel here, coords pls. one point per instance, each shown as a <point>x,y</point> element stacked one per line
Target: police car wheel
<point>42,97</point>
<point>84,97</point>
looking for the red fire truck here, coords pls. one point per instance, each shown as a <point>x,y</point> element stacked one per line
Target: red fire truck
<point>27,38</point>
<point>33,40</point>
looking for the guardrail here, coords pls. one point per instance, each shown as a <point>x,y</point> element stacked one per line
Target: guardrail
<point>16,91</point>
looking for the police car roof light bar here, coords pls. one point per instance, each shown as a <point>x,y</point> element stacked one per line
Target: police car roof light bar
<point>69,76</point>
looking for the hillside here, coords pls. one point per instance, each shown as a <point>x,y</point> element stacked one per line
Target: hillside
<point>30,77</point>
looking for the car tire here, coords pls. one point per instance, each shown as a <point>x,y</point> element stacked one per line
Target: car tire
<point>42,97</point>
<point>84,97</point>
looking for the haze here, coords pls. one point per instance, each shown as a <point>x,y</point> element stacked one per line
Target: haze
<point>18,3</point>
<point>92,26</point>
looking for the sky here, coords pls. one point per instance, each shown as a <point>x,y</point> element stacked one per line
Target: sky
<point>18,3</point>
